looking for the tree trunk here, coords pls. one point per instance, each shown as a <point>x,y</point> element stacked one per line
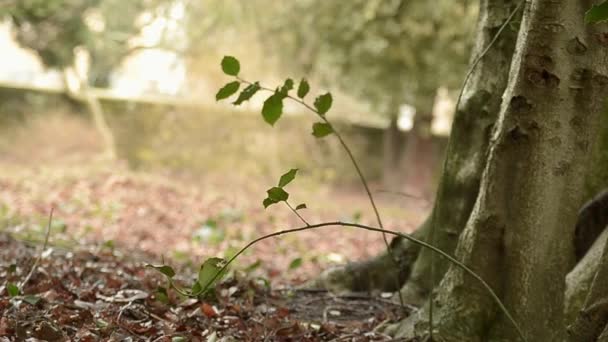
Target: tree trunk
<point>391,177</point>
<point>418,157</point>
<point>579,280</point>
<point>519,235</point>
<point>468,144</point>
<point>465,156</point>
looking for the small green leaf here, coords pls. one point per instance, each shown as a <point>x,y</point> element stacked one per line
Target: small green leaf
<point>100,323</point>
<point>321,129</point>
<point>31,299</point>
<point>273,108</point>
<point>301,206</point>
<point>161,295</point>
<point>268,202</point>
<point>12,289</point>
<point>295,263</point>
<point>164,269</point>
<point>231,66</point>
<point>277,194</point>
<point>228,90</point>
<point>287,86</point>
<point>178,339</point>
<point>253,266</point>
<point>287,177</point>
<point>597,13</point>
<point>247,93</point>
<point>303,88</point>
<point>209,269</point>
<point>196,288</point>
<point>323,103</point>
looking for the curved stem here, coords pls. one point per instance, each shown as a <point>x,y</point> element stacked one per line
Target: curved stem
<point>297,214</point>
<point>381,230</point>
<point>357,169</point>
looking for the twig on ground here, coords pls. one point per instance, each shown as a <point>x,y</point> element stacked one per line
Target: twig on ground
<point>37,261</point>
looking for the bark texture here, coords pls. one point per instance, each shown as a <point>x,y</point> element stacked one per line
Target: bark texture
<point>518,237</point>
<point>459,181</point>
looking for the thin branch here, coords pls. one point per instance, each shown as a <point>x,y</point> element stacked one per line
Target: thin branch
<point>355,164</point>
<point>405,194</point>
<point>381,230</point>
<point>297,214</point>
<point>37,261</point>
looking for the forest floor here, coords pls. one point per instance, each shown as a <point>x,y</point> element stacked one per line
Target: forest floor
<point>110,222</point>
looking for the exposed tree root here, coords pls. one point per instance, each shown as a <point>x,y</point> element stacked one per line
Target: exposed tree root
<point>592,219</point>
<point>579,280</point>
<point>377,274</point>
<point>592,321</point>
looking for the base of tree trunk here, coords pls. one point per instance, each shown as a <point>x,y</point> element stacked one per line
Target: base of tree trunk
<point>385,272</point>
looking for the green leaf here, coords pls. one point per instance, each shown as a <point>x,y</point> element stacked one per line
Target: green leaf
<point>247,93</point>
<point>178,339</point>
<point>196,288</point>
<point>268,202</point>
<point>31,299</point>
<point>295,263</point>
<point>277,194</point>
<point>303,88</point>
<point>12,289</point>
<point>209,269</point>
<point>597,13</point>
<point>231,66</point>
<point>164,269</point>
<point>301,206</point>
<point>161,295</point>
<point>321,129</point>
<point>253,266</point>
<point>323,103</point>
<point>273,108</point>
<point>228,90</point>
<point>287,86</point>
<point>287,177</point>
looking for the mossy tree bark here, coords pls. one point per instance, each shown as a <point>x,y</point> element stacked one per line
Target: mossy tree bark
<point>519,234</point>
<point>467,148</point>
<point>459,181</point>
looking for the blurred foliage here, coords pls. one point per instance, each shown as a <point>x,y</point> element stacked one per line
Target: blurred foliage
<point>384,52</point>
<point>104,28</point>
<point>235,143</point>
<point>52,28</point>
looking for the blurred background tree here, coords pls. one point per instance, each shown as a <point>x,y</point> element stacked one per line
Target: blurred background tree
<point>383,53</point>
<point>103,28</point>
<point>377,56</point>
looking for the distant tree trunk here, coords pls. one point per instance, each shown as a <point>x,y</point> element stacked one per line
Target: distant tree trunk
<point>519,236</point>
<point>419,158</point>
<point>82,93</point>
<point>391,173</point>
